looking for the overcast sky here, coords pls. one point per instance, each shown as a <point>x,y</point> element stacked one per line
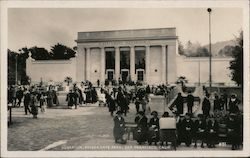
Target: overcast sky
<point>46,27</point>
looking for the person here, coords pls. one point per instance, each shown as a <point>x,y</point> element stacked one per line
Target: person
<point>217,104</point>
<point>137,105</point>
<point>119,128</point>
<point>234,132</point>
<point>70,98</point>
<point>167,131</point>
<point>187,127</point>
<point>98,83</point>
<point>42,102</point>
<point>190,102</point>
<point>233,104</point>
<point>199,130</point>
<point>33,104</point>
<point>224,100</point>
<point>19,96</point>
<point>121,101</point>
<point>80,96</point>
<point>179,104</point>
<point>26,101</point>
<point>142,127</point>
<point>153,135</point>
<point>206,106</point>
<point>111,103</point>
<point>49,98</point>
<point>180,129</point>
<point>212,131</point>
<point>75,96</point>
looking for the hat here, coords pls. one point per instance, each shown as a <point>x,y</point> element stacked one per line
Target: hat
<point>154,113</point>
<point>119,112</point>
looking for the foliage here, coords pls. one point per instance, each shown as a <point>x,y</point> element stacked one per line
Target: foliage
<point>40,53</point>
<point>227,51</point>
<point>193,50</point>
<point>17,60</point>
<point>60,51</point>
<point>236,65</point>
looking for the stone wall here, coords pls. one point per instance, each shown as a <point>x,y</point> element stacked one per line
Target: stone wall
<point>46,70</point>
<point>189,67</point>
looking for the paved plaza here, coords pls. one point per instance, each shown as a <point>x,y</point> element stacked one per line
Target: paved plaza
<point>86,128</point>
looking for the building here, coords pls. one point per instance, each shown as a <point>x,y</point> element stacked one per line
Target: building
<point>146,55</point>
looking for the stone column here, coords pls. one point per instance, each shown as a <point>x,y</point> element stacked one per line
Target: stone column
<point>88,63</point>
<point>132,63</point>
<point>164,64</point>
<point>147,63</point>
<point>103,67</point>
<point>171,63</point>
<point>80,64</point>
<point>117,63</point>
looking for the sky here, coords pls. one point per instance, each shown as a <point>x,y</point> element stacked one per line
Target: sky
<point>45,27</point>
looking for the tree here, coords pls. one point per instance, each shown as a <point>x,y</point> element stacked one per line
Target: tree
<point>180,48</point>
<point>227,51</point>
<point>39,53</point>
<point>60,52</point>
<point>17,60</point>
<point>236,65</point>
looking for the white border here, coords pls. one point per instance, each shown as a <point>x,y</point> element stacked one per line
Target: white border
<point>244,4</point>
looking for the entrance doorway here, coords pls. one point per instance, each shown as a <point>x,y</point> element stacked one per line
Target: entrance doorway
<point>110,74</point>
<point>140,74</point>
<point>125,75</point>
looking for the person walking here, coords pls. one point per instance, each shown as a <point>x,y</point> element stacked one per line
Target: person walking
<point>33,104</point>
<point>190,102</point>
<point>119,128</point>
<point>19,96</point>
<point>26,101</point>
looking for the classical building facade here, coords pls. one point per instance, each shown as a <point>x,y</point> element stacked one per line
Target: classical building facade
<point>147,55</point>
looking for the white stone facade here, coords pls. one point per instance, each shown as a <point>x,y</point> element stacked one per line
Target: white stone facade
<point>162,62</point>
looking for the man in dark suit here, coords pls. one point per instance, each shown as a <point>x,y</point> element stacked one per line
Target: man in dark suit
<point>26,101</point>
<point>142,127</point>
<point>206,105</point>
<point>199,130</point>
<point>187,126</point>
<point>119,128</point>
<point>190,102</point>
<point>179,104</point>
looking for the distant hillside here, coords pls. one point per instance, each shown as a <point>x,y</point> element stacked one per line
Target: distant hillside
<point>216,47</point>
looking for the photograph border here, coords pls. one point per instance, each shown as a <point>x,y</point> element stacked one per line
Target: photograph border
<point>244,4</point>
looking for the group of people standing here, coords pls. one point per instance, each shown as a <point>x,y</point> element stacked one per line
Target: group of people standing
<point>221,103</point>
<point>81,95</point>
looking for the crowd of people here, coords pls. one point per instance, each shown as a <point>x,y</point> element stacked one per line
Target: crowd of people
<point>224,124</point>
<point>209,128</point>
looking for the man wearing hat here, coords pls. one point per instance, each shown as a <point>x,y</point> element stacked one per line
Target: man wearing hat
<point>199,129</point>
<point>153,128</point>
<point>142,127</point>
<point>206,105</point>
<point>119,128</point>
<point>233,104</point>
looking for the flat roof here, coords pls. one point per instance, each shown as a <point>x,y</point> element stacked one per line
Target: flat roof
<point>132,34</point>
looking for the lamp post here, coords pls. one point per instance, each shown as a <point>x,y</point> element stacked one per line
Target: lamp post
<point>16,71</point>
<point>210,53</point>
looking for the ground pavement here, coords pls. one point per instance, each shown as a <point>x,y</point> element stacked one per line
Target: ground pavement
<point>86,128</point>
